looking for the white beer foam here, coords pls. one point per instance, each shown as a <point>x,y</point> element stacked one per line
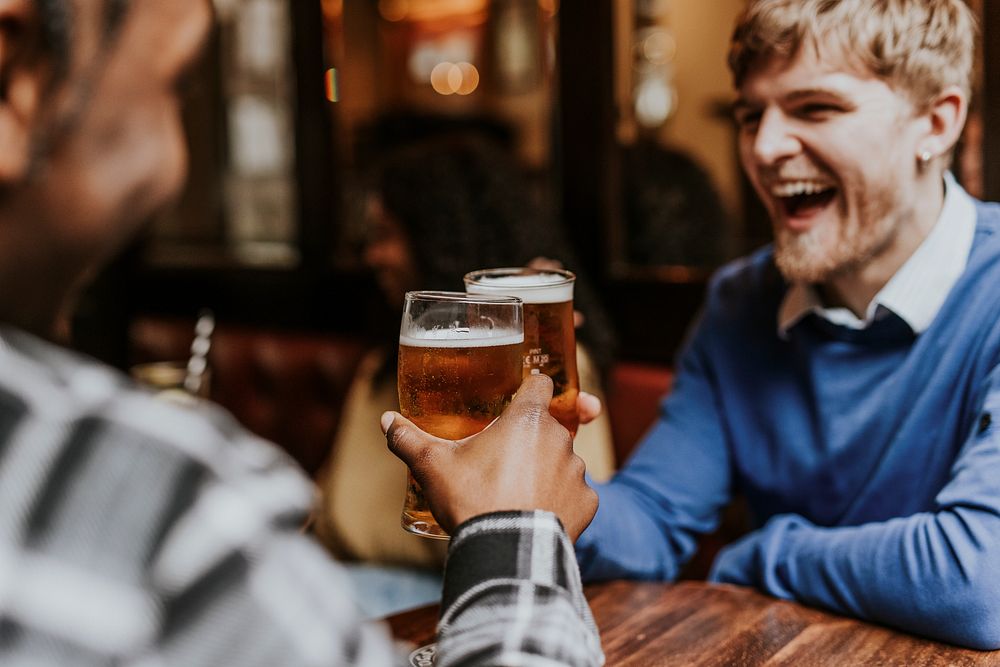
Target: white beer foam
<point>463,338</point>
<point>540,288</point>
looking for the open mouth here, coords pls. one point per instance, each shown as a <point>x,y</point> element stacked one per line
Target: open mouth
<point>800,199</point>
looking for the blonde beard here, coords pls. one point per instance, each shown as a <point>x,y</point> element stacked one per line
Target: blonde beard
<point>813,257</point>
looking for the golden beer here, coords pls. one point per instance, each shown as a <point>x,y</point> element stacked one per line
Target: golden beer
<point>459,367</point>
<point>549,333</point>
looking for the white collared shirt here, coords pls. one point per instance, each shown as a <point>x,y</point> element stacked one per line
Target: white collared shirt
<point>918,289</point>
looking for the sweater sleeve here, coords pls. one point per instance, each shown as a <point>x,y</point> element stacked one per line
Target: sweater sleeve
<point>933,573</point>
<point>670,490</point>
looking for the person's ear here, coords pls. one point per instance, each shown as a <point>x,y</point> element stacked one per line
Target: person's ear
<point>946,117</point>
<point>21,85</point>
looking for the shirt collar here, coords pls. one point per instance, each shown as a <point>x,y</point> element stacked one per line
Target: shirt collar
<point>918,289</point>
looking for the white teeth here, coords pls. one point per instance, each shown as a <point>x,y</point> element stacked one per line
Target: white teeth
<point>794,188</point>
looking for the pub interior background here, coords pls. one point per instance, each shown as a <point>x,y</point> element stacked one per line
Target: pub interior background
<point>618,110</point>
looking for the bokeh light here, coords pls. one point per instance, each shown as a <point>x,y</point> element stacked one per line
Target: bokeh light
<point>393,10</point>
<point>659,47</point>
<point>448,78</point>
<point>332,87</point>
<point>470,78</point>
<point>441,78</point>
<point>654,102</point>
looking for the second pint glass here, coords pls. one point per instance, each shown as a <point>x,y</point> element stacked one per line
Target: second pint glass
<point>459,367</point>
<point>549,334</point>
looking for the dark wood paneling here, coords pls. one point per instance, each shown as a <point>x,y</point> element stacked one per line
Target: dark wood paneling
<point>588,160</point>
<point>991,100</point>
<point>653,312</point>
<point>316,153</point>
<point>317,300</point>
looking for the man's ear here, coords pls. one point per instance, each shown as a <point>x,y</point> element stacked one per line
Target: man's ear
<point>947,114</point>
<point>21,85</point>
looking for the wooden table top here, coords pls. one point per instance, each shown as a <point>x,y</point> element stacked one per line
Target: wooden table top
<point>695,623</point>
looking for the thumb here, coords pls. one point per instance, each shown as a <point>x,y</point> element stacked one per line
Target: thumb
<point>407,441</point>
<point>589,407</point>
<point>534,395</point>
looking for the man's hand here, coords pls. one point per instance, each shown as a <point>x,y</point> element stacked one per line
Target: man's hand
<point>588,407</point>
<point>523,461</point>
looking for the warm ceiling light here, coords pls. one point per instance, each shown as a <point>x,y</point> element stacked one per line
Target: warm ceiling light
<point>446,78</point>
<point>454,78</point>
<point>659,47</point>
<point>436,10</point>
<point>470,78</point>
<point>654,102</point>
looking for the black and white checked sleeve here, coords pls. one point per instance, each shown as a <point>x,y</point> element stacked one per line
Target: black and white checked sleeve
<point>513,596</point>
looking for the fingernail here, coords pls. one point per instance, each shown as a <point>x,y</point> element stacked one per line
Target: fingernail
<point>386,422</point>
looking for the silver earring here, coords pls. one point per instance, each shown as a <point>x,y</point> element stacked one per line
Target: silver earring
<point>924,158</point>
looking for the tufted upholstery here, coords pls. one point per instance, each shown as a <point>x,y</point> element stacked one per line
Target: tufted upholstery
<point>287,386</point>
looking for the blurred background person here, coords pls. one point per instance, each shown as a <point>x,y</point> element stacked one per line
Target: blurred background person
<point>435,210</point>
<point>673,211</point>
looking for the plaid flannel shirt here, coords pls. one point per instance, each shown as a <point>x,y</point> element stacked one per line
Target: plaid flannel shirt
<point>141,533</point>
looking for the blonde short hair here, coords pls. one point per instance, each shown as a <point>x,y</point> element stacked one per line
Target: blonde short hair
<point>917,46</point>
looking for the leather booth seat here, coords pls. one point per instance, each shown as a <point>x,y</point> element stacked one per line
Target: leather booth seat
<point>633,395</point>
<point>286,386</point>
<point>289,386</point>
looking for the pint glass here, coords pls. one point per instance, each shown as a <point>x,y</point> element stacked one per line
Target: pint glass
<point>459,367</point>
<point>549,335</point>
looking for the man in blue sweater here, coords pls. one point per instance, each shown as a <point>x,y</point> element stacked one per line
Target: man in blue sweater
<point>845,381</point>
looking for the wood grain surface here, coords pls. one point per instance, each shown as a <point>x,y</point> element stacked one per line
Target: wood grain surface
<point>695,623</point>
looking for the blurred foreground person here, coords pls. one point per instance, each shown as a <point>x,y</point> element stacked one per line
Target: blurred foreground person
<point>846,380</point>
<point>139,532</point>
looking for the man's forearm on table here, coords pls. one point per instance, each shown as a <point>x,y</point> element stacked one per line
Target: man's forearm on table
<point>916,573</point>
<point>933,573</point>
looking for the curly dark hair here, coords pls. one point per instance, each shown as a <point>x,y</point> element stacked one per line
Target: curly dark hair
<point>465,204</point>
<point>673,212</point>
<point>464,207</point>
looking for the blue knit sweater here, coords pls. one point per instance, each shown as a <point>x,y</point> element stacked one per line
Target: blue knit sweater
<point>870,459</point>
